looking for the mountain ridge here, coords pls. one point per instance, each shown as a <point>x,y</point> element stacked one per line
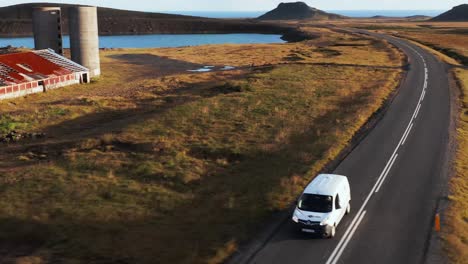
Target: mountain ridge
<point>16,21</point>
<point>24,11</point>
<point>456,14</point>
<point>298,11</point>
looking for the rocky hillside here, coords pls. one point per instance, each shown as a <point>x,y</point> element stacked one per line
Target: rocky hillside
<point>298,10</point>
<point>24,12</point>
<point>17,21</point>
<point>456,14</point>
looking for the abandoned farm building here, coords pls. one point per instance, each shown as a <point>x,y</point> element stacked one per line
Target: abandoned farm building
<point>37,71</point>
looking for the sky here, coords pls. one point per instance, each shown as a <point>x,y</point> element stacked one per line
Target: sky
<point>256,5</point>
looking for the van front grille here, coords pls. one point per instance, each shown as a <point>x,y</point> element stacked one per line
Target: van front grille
<point>309,223</point>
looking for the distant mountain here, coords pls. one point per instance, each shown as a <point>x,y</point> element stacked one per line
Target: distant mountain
<point>381,17</point>
<point>16,20</point>
<point>418,18</point>
<point>410,18</point>
<point>298,11</point>
<point>24,11</point>
<point>457,14</point>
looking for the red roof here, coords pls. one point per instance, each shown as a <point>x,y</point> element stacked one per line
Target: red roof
<point>27,66</point>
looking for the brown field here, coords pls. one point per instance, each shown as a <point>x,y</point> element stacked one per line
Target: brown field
<point>451,44</point>
<point>154,164</point>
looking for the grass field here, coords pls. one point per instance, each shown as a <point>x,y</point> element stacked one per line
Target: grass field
<point>153,164</point>
<point>457,215</point>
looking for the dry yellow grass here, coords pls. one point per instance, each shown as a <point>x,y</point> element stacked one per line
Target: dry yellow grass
<point>457,215</point>
<point>457,42</point>
<point>152,164</point>
<point>443,57</point>
<point>451,44</point>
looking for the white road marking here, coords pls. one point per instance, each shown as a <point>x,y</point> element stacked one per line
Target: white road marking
<point>404,139</point>
<point>337,252</point>
<point>417,110</point>
<point>382,174</point>
<point>386,173</point>
<point>338,255</point>
<point>345,235</point>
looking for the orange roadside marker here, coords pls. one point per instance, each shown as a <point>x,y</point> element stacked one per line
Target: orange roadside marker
<point>437,223</point>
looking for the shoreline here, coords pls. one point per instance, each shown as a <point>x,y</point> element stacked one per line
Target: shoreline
<point>11,28</point>
<point>288,35</point>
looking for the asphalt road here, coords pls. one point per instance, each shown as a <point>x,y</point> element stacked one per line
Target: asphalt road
<point>395,175</point>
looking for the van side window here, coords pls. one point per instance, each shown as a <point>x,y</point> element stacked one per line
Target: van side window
<point>337,201</point>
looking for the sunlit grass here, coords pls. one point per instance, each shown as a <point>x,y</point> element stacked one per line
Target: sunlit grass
<point>452,45</point>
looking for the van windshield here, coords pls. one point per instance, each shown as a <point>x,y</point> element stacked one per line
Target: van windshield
<point>315,203</point>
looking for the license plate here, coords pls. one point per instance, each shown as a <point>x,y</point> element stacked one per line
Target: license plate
<point>308,230</point>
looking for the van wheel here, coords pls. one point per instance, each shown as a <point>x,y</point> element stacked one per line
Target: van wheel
<point>348,209</point>
<point>332,231</point>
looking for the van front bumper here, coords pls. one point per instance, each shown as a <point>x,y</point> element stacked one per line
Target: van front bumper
<point>313,228</point>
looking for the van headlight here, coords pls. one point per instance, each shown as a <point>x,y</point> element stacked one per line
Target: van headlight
<point>295,218</point>
<point>324,222</point>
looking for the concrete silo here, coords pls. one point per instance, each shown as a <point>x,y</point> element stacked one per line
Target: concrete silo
<point>84,39</point>
<point>47,27</point>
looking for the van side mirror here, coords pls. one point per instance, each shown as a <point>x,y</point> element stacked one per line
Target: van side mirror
<point>337,202</point>
<point>296,202</point>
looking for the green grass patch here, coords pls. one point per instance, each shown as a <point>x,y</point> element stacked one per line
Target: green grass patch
<point>8,123</point>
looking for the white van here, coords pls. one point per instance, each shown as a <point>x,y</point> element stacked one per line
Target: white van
<point>323,204</point>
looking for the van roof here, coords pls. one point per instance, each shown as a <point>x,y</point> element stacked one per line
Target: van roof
<point>325,184</point>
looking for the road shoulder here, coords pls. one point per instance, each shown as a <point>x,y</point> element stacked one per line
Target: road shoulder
<point>435,253</point>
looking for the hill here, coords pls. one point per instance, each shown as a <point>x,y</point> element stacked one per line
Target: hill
<point>24,11</point>
<point>418,17</point>
<point>381,17</point>
<point>298,10</point>
<point>458,13</point>
<point>407,18</point>
<point>16,20</point>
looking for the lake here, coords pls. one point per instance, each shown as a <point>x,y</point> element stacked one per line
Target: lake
<point>160,40</point>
